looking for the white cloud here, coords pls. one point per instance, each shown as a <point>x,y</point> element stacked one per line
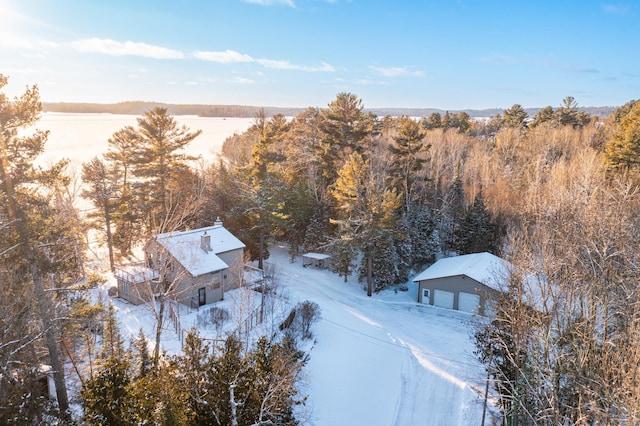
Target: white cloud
<point>286,65</point>
<point>226,57</point>
<point>107,46</point>
<point>241,80</point>
<point>397,72</point>
<point>231,56</point>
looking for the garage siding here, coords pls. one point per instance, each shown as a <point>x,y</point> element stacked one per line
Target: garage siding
<point>458,292</point>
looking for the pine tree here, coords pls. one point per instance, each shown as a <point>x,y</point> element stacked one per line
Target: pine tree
<point>106,395</point>
<point>101,189</point>
<point>265,187</point>
<point>407,161</point>
<point>344,128</point>
<point>366,209</point>
<point>622,150</point>
<point>515,117</point>
<point>157,161</point>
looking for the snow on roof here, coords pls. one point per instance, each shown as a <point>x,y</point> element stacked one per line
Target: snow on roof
<point>186,248</point>
<point>482,267</point>
<point>317,256</point>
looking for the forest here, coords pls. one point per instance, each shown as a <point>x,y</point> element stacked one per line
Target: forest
<point>556,194</point>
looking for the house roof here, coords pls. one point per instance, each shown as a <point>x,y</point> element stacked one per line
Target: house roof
<point>482,267</point>
<point>186,248</point>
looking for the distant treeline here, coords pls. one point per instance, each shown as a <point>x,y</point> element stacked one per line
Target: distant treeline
<point>248,111</point>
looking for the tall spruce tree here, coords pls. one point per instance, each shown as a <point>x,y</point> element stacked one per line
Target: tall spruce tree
<point>477,231</point>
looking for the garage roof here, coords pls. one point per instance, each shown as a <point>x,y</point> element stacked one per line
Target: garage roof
<point>483,267</point>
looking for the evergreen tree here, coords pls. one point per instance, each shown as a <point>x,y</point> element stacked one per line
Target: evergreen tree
<point>265,189</point>
<point>434,121</point>
<point>229,383</point>
<point>196,366</point>
<point>36,236</point>
<point>344,127</point>
<point>106,394</point>
<point>407,158</point>
<point>451,215</point>
<point>157,162</point>
<point>161,398</point>
<point>141,346</point>
<point>515,117</point>
<point>477,232</point>
<point>403,243</point>
<point>622,150</point>
<point>384,263</point>
<point>545,115</point>
<point>127,211</point>
<point>101,190</point>
<point>366,208</point>
<point>273,371</point>
<point>425,243</point>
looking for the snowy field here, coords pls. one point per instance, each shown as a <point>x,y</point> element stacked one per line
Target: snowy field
<point>380,360</point>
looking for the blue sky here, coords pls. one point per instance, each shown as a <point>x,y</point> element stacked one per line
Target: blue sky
<point>299,53</point>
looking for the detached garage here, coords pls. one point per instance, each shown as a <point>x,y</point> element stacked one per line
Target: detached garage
<point>466,283</point>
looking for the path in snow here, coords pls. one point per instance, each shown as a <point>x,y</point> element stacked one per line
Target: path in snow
<point>384,360</point>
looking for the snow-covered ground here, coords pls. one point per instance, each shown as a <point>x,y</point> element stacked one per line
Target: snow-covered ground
<point>380,360</point>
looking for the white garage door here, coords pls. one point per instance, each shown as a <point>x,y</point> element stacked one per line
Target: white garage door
<point>443,299</point>
<point>468,302</point>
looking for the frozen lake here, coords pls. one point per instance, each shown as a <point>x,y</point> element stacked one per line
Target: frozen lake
<point>80,137</point>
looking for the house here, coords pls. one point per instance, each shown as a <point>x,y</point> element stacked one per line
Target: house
<point>467,283</point>
<point>196,267</point>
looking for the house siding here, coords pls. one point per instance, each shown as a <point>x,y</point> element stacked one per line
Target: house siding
<point>234,275</point>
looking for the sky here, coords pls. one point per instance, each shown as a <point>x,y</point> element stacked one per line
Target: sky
<point>299,53</point>
<point>380,360</point>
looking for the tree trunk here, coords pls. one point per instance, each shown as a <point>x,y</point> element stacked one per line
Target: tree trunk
<point>369,275</point>
<point>159,322</point>
<point>107,225</point>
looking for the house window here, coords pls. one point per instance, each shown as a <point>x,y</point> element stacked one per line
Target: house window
<point>125,287</point>
<point>426,294</point>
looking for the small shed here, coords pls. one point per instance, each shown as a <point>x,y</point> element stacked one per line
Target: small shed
<point>467,283</point>
<point>319,260</point>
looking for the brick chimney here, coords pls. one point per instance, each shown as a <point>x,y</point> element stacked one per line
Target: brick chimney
<point>218,222</point>
<point>205,242</point>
